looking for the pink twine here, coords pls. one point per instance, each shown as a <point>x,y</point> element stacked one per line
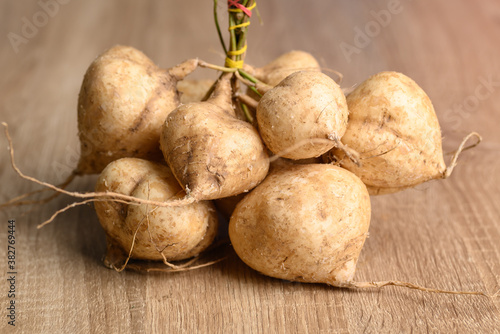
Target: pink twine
<point>238,5</point>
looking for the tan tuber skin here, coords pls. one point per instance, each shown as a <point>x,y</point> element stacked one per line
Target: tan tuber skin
<point>226,205</point>
<point>281,67</point>
<point>304,223</point>
<point>308,223</point>
<point>274,72</point>
<point>212,153</point>
<point>144,231</point>
<point>123,102</point>
<point>306,105</point>
<point>393,125</point>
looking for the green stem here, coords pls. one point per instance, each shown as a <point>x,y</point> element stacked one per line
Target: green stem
<point>232,34</point>
<point>253,89</point>
<point>243,31</point>
<point>248,76</point>
<point>238,36</point>
<point>218,27</point>
<point>249,80</point>
<point>211,89</point>
<point>247,113</point>
<point>237,41</point>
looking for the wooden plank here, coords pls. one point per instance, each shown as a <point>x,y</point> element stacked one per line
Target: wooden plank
<point>443,234</point>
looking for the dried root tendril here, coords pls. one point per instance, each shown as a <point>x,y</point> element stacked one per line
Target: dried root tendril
<point>340,76</point>
<point>130,250</point>
<point>224,69</point>
<point>460,149</point>
<point>17,201</point>
<point>145,268</point>
<point>139,265</point>
<point>111,196</point>
<point>118,197</point>
<point>357,155</point>
<point>378,285</point>
<point>352,154</point>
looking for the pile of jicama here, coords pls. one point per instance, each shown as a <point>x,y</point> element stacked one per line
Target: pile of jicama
<point>279,151</point>
<point>293,174</point>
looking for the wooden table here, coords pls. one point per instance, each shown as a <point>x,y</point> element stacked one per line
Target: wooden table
<point>444,234</point>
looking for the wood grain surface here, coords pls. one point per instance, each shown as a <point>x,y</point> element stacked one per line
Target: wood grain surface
<point>444,234</point>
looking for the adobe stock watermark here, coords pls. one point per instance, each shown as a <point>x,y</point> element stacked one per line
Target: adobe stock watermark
<point>363,36</point>
<point>30,27</point>
<point>461,111</point>
<point>64,169</point>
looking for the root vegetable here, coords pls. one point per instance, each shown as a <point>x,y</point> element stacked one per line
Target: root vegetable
<point>227,205</point>
<point>274,72</point>
<point>123,102</point>
<point>308,223</point>
<point>306,105</point>
<point>286,64</point>
<point>146,232</point>
<point>393,124</point>
<point>212,153</point>
<point>304,223</point>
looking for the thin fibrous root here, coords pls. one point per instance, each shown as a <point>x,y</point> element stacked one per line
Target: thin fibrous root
<point>146,218</point>
<point>460,149</point>
<point>130,250</point>
<point>224,69</point>
<point>337,73</point>
<point>145,268</point>
<point>181,266</point>
<point>75,204</point>
<point>158,249</point>
<point>110,196</point>
<point>16,201</point>
<point>187,265</point>
<point>339,161</point>
<point>348,90</point>
<point>352,154</point>
<point>378,285</point>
